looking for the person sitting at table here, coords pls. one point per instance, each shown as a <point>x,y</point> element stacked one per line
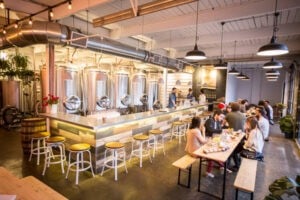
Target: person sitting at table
<point>195,140</point>
<point>214,124</point>
<point>255,138</point>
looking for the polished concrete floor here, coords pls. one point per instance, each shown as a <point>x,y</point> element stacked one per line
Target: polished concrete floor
<point>154,181</point>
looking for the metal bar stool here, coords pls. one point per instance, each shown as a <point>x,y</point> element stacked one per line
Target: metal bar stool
<point>79,164</point>
<point>141,152</point>
<point>187,123</point>
<point>117,150</point>
<point>178,130</point>
<point>38,139</point>
<point>156,144</point>
<point>51,158</point>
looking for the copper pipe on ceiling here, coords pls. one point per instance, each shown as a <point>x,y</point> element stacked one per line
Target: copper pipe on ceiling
<point>142,10</point>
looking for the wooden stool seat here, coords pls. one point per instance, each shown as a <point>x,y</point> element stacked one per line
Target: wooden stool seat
<point>40,135</point>
<point>114,145</point>
<point>155,132</point>
<point>178,123</point>
<point>141,137</point>
<point>55,139</point>
<point>80,147</point>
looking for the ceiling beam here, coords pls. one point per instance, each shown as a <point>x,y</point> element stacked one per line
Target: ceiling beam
<point>233,11</point>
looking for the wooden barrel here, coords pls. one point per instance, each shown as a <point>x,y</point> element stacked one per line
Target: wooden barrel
<point>29,127</point>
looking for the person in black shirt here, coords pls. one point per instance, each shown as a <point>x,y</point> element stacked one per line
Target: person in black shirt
<point>214,124</point>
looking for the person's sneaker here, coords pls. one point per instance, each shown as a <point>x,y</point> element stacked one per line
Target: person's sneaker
<point>210,175</point>
<point>228,170</point>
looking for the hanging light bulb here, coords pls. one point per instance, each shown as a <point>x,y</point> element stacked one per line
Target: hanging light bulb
<point>30,21</point>
<point>51,13</point>
<point>196,54</point>
<point>2,6</point>
<point>16,25</point>
<point>4,31</point>
<point>273,48</point>
<point>70,5</point>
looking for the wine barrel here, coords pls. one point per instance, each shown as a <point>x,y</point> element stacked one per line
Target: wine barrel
<point>29,127</point>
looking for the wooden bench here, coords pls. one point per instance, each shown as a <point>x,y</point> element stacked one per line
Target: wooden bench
<point>245,179</point>
<point>185,163</point>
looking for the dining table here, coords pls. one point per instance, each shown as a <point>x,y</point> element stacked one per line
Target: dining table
<point>218,149</point>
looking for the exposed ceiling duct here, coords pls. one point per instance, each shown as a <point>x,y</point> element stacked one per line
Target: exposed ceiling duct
<point>41,32</point>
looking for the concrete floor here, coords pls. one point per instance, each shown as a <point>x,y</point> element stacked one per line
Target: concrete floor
<point>154,181</point>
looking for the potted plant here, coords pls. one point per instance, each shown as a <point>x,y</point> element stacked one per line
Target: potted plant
<point>287,125</point>
<point>284,188</point>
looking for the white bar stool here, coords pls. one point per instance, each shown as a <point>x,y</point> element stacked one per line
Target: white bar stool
<point>178,130</point>
<point>141,152</point>
<point>38,139</point>
<point>187,123</point>
<point>156,144</point>
<point>116,150</point>
<point>79,164</point>
<point>50,158</point>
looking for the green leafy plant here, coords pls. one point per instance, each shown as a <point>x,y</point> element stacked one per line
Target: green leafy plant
<point>284,188</point>
<point>286,124</point>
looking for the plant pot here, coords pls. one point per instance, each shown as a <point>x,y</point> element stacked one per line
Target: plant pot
<point>53,109</point>
<point>288,135</point>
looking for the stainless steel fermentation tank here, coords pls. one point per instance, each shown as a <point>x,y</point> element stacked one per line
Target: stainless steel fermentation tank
<point>120,87</point>
<point>67,84</point>
<point>152,87</point>
<point>96,83</point>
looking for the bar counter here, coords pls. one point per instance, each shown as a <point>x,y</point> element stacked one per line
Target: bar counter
<point>96,131</point>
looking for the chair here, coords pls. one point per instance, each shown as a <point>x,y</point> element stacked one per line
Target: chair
<point>79,164</point>
<point>51,158</point>
<point>116,150</point>
<point>38,139</point>
<point>143,148</point>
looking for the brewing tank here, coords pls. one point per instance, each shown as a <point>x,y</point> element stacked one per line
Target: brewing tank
<point>138,88</point>
<point>97,84</point>
<point>152,93</point>
<point>68,84</point>
<point>121,93</point>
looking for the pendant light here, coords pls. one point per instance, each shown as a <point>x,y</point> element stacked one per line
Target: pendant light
<point>273,48</point>
<point>246,78</point>
<point>196,54</point>
<point>233,71</point>
<point>2,6</point>
<point>221,64</point>
<point>273,72</point>
<point>273,64</point>
<point>240,75</point>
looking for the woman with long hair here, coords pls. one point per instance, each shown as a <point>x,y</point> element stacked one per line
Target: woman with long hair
<point>195,140</point>
<point>255,139</point>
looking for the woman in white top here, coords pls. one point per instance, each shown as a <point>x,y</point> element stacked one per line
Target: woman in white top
<point>195,140</point>
<point>255,139</point>
<point>202,97</point>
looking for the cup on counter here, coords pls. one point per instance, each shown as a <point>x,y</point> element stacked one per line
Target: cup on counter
<point>104,119</point>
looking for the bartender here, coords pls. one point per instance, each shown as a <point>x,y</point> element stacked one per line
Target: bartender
<point>172,98</point>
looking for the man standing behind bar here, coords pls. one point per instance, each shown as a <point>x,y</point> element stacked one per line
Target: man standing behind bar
<point>172,98</point>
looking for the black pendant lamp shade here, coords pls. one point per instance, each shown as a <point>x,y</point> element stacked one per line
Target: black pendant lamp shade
<point>273,64</point>
<point>273,49</point>
<point>221,64</point>
<point>273,72</point>
<point>240,75</point>
<point>196,54</point>
<point>246,78</point>
<point>233,71</point>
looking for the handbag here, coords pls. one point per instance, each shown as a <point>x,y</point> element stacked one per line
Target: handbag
<point>252,155</point>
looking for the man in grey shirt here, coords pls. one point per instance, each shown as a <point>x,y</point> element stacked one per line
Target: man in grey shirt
<point>236,120</point>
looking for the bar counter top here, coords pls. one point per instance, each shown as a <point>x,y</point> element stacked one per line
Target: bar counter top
<point>96,123</point>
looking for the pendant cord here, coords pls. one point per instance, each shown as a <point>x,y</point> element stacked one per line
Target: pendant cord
<point>222,23</point>
<point>275,24</point>
<point>196,39</point>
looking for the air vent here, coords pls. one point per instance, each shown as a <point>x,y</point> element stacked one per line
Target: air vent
<point>78,39</point>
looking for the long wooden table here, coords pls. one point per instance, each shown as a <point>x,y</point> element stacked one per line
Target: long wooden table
<point>221,156</point>
<point>26,188</point>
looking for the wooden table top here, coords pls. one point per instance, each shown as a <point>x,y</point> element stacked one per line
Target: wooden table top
<point>221,156</point>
